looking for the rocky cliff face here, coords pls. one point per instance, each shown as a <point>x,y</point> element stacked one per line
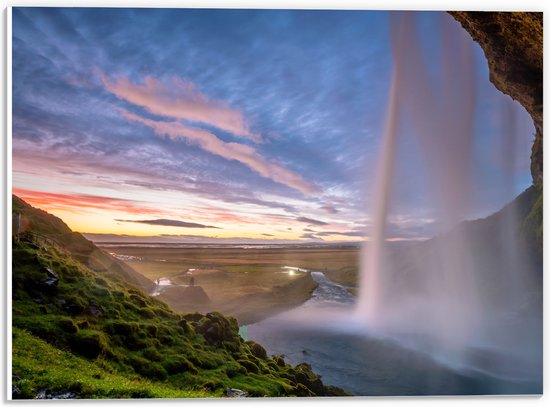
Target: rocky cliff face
<point>512,43</point>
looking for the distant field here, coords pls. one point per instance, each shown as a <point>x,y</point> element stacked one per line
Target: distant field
<point>249,283</point>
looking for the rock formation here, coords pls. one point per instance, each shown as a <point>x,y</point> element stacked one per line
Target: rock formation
<point>512,43</point>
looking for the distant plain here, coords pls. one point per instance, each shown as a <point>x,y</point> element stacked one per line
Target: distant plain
<point>250,283</point>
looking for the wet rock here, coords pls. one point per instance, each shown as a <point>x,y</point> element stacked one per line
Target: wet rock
<point>51,282</point>
<point>230,392</point>
<point>46,394</point>
<point>50,273</point>
<point>14,389</point>
<point>304,375</point>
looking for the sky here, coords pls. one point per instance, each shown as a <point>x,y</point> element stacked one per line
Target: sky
<point>235,125</point>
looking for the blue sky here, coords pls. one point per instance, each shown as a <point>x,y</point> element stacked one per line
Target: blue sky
<point>257,124</point>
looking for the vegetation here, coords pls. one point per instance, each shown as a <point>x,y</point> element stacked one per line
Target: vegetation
<point>91,333</point>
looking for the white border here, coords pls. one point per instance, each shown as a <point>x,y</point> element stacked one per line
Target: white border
<point>7,194</point>
<point>508,5</point>
<point>471,5</point>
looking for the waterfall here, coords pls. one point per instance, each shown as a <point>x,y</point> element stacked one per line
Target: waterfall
<point>462,289</point>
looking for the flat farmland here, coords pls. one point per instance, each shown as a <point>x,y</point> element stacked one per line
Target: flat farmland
<point>247,282</point>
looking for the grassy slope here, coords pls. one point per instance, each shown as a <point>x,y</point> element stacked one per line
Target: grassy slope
<point>46,367</point>
<point>98,336</point>
<point>38,221</point>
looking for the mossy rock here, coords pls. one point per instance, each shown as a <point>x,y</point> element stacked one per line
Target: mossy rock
<point>250,367</point>
<point>179,364</point>
<point>121,328</point>
<point>88,343</point>
<point>216,329</point>
<point>233,369</point>
<point>148,369</point>
<point>193,317</point>
<point>279,360</point>
<point>257,350</point>
<point>302,391</point>
<point>67,325</point>
<point>305,376</point>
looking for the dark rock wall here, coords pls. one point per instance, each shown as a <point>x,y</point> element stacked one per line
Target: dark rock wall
<point>512,43</point>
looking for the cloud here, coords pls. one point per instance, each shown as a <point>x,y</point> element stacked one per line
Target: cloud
<point>180,99</point>
<point>310,236</point>
<point>311,221</point>
<point>330,209</point>
<point>242,153</point>
<point>267,234</point>
<point>350,234</point>
<point>75,202</point>
<point>169,222</point>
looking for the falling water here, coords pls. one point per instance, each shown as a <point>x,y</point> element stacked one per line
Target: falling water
<point>471,287</point>
<point>460,313</point>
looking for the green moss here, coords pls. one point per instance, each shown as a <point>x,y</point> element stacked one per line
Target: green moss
<point>179,364</point>
<point>257,350</point>
<point>38,365</point>
<point>88,343</point>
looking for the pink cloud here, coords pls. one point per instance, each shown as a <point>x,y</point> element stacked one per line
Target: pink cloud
<point>77,202</point>
<point>180,99</point>
<point>245,154</point>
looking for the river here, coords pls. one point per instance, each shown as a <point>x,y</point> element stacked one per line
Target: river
<point>320,333</point>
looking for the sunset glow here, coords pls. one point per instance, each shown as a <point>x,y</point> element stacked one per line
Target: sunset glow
<point>219,124</point>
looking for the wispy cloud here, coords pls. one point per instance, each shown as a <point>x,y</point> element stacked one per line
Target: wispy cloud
<point>310,221</point>
<point>242,153</point>
<point>76,202</point>
<point>330,209</point>
<point>334,233</point>
<point>180,99</point>
<point>310,236</point>
<point>169,222</point>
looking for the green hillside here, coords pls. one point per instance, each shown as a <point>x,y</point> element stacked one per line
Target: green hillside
<point>82,327</point>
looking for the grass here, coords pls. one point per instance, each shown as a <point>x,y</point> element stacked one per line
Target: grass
<point>43,366</point>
